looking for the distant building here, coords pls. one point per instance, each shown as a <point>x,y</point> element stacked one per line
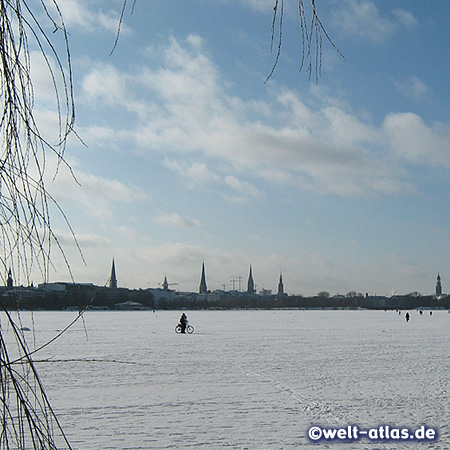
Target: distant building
<point>250,284</point>
<point>55,287</point>
<point>280,293</point>
<point>265,292</point>
<point>9,280</point>
<point>438,286</point>
<point>162,296</point>
<point>113,279</point>
<point>129,306</point>
<point>374,301</point>
<point>203,289</point>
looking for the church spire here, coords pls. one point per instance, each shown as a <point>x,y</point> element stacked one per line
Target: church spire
<point>203,289</point>
<point>250,283</point>
<point>280,287</point>
<point>438,285</point>
<point>113,279</point>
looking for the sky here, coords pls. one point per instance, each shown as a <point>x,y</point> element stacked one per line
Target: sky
<point>189,154</point>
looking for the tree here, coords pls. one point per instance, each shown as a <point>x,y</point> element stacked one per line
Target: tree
<point>27,419</point>
<point>323,294</point>
<point>414,294</point>
<point>26,232</point>
<point>353,294</point>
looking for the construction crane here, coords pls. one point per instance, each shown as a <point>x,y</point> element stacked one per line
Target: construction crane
<point>165,285</point>
<point>236,278</point>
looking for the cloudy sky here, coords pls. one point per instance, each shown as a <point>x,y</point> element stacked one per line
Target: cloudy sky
<point>341,183</point>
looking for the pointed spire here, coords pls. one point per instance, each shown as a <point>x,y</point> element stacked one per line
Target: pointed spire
<point>203,289</point>
<point>280,287</point>
<point>250,283</point>
<point>113,279</point>
<point>165,284</point>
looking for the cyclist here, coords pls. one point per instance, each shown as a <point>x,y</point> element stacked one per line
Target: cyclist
<point>183,322</point>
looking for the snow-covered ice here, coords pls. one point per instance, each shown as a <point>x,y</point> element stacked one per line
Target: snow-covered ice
<point>244,379</point>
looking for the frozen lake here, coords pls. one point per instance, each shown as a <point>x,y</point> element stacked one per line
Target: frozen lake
<point>244,379</point>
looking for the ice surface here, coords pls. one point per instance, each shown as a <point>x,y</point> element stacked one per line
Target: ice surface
<point>244,379</point>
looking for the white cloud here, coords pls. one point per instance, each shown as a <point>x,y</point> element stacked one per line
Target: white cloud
<point>195,40</point>
<point>199,177</point>
<point>413,88</point>
<point>106,83</point>
<point>415,141</point>
<point>405,17</point>
<point>84,240</point>
<point>196,174</point>
<point>94,194</point>
<point>244,189</point>
<point>88,16</point>
<point>175,220</point>
<point>187,114</point>
<point>43,83</point>
<point>361,18</point>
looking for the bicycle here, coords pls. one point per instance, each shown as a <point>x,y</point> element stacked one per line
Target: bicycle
<point>189,329</point>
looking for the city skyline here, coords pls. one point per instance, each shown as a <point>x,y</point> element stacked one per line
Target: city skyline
<point>189,155</point>
<point>236,282</point>
<point>234,286</point>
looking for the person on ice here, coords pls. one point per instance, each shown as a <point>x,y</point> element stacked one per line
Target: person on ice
<point>407,317</point>
<point>183,322</point>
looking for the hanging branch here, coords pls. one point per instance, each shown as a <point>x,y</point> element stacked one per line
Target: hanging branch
<point>27,418</point>
<point>119,26</point>
<point>26,234</point>
<point>312,38</point>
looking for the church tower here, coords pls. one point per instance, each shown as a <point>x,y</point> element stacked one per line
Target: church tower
<point>203,289</point>
<point>165,284</point>
<point>250,283</point>
<point>438,285</point>
<point>9,281</point>
<point>280,288</point>
<point>113,279</point>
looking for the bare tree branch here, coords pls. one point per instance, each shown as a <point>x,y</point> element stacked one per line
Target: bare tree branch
<point>312,38</point>
<point>26,235</point>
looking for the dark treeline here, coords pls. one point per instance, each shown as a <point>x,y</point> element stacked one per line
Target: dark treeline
<point>272,302</point>
<point>78,297</point>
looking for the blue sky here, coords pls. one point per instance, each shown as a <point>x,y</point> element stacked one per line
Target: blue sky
<point>341,184</point>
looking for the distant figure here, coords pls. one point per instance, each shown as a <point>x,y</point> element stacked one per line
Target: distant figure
<point>431,313</point>
<point>421,312</point>
<point>407,317</point>
<point>183,322</point>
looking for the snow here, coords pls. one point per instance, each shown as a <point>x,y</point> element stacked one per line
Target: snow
<point>244,379</point>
